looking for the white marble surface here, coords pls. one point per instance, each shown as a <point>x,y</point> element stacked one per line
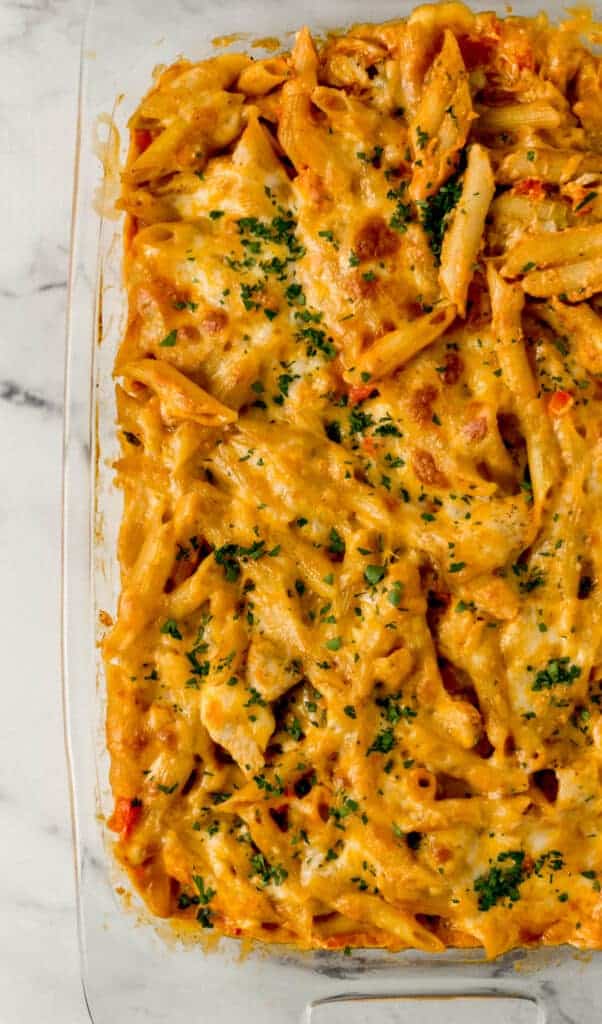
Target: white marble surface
<point>39,44</point>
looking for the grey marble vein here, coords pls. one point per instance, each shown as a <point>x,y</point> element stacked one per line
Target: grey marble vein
<point>14,393</point>
<point>52,286</point>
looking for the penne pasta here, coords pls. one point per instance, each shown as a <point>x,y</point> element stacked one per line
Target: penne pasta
<point>509,118</point>
<point>179,397</point>
<point>506,307</point>
<point>262,76</point>
<point>354,673</point>
<point>581,325</point>
<point>397,347</point>
<point>553,248</point>
<point>575,281</point>
<point>464,236</point>
<point>552,166</point>
<point>442,120</point>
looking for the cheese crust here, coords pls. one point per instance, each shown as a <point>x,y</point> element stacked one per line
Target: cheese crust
<point>354,678</point>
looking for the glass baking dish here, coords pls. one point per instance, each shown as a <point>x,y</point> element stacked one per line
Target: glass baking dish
<point>132,969</point>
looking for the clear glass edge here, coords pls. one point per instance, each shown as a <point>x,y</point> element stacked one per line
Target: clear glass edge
<point>565,984</point>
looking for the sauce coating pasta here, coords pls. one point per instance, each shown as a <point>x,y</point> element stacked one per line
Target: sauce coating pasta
<point>355,676</point>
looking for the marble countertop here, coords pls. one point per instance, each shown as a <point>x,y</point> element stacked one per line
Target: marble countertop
<point>39,973</point>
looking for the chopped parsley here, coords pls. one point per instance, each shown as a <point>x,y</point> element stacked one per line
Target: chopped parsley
<point>387,430</point>
<point>348,806</point>
<point>281,229</point>
<point>383,742</point>
<point>403,211</point>
<point>373,574</point>
<point>269,874</point>
<point>435,211</point>
<point>393,711</point>
<point>168,790</point>
<point>359,421</point>
<point>532,579</point>
<point>220,798</point>
<point>558,672</point>
<point>316,341</point>
<point>502,881</point>
<point>422,137</point>
<point>271,788</point>
<point>170,628</point>
<point>294,730</point>
<point>589,198</point>
<point>371,158</point>
<point>205,895</point>
<point>336,544</point>
<point>285,380</point>
<point>255,699</point>
<point>229,554</point>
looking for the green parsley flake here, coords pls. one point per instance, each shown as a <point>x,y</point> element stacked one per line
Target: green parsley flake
<point>502,881</point>
<point>558,672</point>
<point>170,628</point>
<point>334,644</point>
<point>373,574</point>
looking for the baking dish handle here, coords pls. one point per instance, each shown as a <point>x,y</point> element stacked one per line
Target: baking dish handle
<point>570,1003</point>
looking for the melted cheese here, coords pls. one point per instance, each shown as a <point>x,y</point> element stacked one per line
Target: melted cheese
<point>354,679</point>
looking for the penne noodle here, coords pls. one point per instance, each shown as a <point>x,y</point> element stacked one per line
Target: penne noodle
<point>442,120</point>
<point>576,281</point>
<point>306,144</point>
<point>580,324</point>
<point>179,397</point>
<point>507,301</point>
<point>542,163</point>
<point>262,76</point>
<point>538,114</point>
<point>548,249</point>
<point>141,596</point>
<point>506,305</point>
<point>464,236</point>
<point>393,350</point>
<point>186,144</point>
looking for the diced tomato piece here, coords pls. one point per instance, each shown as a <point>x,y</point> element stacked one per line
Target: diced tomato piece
<point>369,446</point>
<point>560,403</point>
<point>143,140</point>
<point>125,816</point>
<point>358,392</point>
<point>532,187</point>
<point>477,50</point>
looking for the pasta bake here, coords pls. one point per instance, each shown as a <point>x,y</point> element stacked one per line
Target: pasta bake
<point>355,675</point>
